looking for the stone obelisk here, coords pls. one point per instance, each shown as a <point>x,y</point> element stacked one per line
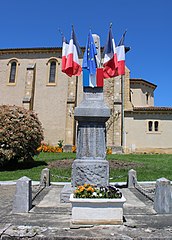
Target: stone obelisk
<point>91,165</point>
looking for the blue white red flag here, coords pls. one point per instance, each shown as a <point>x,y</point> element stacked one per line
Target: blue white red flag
<point>110,62</point>
<point>65,46</point>
<point>121,42</point>
<point>95,80</point>
<point>73,67</point>
<point>120,50</point>
<point>92,76</point>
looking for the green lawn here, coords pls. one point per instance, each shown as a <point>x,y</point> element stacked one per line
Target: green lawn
<point>149,167</point>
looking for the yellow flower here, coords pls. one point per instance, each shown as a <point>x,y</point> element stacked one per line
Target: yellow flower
<point>86,185</point>
<point>90,189</point>
<point>73,149</point>
<point>109,151</point>
<point>76,191</point>
<point>39,148</point>
<point>82,188</point>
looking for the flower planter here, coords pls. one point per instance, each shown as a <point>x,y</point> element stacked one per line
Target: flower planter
<point>97,210</point>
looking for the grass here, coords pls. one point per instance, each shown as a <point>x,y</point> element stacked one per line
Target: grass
<point>33,170</point>
<point>149,167</point>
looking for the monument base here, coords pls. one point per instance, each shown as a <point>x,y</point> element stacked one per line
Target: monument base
<point>65,193</point>
<point>93,171</point>
<point>87,211</point>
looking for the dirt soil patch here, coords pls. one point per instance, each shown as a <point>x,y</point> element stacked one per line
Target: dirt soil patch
<point>114,164</point>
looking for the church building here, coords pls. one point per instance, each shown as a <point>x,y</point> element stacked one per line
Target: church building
<point>32,78</point>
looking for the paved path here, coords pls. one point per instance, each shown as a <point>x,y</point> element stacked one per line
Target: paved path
<point>50,219</point>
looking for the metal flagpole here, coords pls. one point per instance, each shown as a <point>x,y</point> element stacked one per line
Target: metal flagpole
<point>122,112</point>
<point>74,123</point>
<point>122,106</point>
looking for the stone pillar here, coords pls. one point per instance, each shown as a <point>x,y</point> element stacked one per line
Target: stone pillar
<point>45,177</point>
<point>28,99</point>
<point>132,178</point>
<point>23,197</point>
<point>90,165</point>
<point>163,196</point>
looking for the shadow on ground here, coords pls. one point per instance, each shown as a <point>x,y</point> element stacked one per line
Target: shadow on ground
<point>22,165</point>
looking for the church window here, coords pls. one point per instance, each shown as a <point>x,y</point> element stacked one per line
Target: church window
<point>156,126</point>
<point>52,73</point>
<point>12,78</point>
<point>150,124</point>
<point>147,98</point>
<point>153,126</point>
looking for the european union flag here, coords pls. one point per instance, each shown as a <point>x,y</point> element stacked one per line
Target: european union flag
<point>89,59</point>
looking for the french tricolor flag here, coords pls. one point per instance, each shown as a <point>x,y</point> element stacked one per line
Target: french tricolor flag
<point>110,62</point>
<point>64,53</point>
<point>73,67</point>
<point>90,80</point>
<point>120,50</point>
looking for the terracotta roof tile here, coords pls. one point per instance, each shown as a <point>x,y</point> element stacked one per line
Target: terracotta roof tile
<point>153,108</point>
<point>140,80</point>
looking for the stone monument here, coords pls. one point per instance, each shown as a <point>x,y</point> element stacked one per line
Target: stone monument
<point>90,165</point>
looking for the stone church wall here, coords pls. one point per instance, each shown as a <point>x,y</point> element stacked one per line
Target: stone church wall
<point>55,103</point>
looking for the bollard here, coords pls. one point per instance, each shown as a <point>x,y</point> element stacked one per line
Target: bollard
<point>22,202</point>
<point>163,196</point>
<point>132,178</point>
<point>45,177</point>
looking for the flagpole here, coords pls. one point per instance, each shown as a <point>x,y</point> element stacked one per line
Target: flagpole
<point>74,123</point>
<point>122,113</point>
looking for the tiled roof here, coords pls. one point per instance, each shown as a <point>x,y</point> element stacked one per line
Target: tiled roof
<point>153,108</point>
<point>32,50</point>
<point>140,80</point>
<point>29,50</point>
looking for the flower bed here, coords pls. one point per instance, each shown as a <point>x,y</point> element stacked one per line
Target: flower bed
<point>48,148</point>
<point>90,191</point>
<point>93,205</point>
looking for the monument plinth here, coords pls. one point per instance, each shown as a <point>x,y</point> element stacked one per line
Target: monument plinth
<point>90,165</point>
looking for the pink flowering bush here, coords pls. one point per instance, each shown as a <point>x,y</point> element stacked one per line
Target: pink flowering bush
<point>21,134</point>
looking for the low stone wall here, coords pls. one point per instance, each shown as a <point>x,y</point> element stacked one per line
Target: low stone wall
<point>149,150</point>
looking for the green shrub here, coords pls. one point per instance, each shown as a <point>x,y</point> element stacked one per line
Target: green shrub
<point>21,134</point>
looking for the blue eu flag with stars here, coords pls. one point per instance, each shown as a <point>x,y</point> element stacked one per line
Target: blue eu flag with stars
<point>89,59</point>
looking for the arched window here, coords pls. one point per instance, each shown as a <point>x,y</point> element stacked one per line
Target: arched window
<point>150,123</point>
<point>12,78</point>
<point>156,126</point>
<point>147,98</point>
<point>52,73</point>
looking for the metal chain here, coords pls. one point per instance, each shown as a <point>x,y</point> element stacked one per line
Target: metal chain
<point>147,193</point>
<point>111,178</point>
<point>117,177</point>
<point>40,188</point>
<point>58,176</point>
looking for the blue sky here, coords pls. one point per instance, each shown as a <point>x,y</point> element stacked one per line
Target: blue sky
<point>35,23</point>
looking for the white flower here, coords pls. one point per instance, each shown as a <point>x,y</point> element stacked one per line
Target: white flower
<point>100,194</point>
<point>94,194</point>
